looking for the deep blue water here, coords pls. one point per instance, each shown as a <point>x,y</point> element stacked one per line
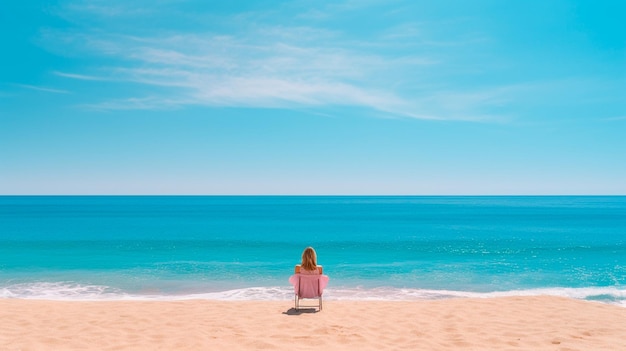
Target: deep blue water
<point>371,247</point>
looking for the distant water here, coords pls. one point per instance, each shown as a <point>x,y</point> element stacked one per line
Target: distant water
<point>178,247</point>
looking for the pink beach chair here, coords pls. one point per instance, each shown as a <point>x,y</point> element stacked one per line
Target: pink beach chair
<point>308,286</point>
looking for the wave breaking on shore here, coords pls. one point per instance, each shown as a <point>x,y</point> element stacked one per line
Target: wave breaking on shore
<point>69,291</point>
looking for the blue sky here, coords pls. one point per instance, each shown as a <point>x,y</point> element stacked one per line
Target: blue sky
<point>313,97</point>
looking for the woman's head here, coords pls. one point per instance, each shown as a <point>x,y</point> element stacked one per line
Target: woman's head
<point>309,259</point>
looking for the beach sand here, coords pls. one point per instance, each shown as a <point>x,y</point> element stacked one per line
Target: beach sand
<point>510,323</point>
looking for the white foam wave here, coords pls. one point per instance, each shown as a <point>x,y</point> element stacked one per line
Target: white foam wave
<point>74,291</point>
<point>59,291</point>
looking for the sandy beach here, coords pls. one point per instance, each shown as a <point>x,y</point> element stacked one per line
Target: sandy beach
<point>511,323</point>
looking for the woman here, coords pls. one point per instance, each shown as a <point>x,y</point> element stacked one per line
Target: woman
<point>309,266</point>
<point>309,263</point>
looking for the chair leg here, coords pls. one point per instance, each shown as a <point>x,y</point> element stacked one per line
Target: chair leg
<point>296,302</point>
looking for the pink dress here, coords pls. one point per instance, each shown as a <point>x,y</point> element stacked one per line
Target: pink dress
<point>306,285</point>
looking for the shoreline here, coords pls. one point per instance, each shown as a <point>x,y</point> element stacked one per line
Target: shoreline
<point>610,295</point>
<point>502,323</point>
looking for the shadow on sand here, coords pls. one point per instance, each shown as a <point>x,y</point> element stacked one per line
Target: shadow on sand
<point>293,312</point>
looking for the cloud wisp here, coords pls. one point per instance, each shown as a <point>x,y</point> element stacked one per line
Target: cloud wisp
<point>269,66</point>
<point>44,89</point>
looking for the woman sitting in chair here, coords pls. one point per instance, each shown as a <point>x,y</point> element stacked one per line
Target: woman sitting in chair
<point>308,282</point>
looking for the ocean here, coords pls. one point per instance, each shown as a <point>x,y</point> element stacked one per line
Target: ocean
<point>371,247</point>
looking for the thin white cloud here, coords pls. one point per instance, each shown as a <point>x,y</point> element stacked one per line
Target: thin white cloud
<point>617,118</point>
<point>145,103</point>
<point>44,89</point>
<point>260,65</point>
<point>108,9</point>
<point>226,71</point>
<point>77,76</point>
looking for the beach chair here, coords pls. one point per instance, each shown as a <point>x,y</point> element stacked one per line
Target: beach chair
<point>308,286</point>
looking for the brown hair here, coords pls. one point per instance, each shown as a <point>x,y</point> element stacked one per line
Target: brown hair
<point>309,259</point>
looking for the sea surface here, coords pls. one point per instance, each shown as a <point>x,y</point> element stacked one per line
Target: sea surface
<point>372,247</point>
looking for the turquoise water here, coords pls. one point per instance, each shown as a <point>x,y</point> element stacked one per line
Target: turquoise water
<point>164,247</point>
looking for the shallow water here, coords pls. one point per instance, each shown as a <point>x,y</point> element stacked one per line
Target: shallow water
<point>169,247</point>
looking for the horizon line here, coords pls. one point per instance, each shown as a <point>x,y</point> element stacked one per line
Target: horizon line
<point>312,195</point>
